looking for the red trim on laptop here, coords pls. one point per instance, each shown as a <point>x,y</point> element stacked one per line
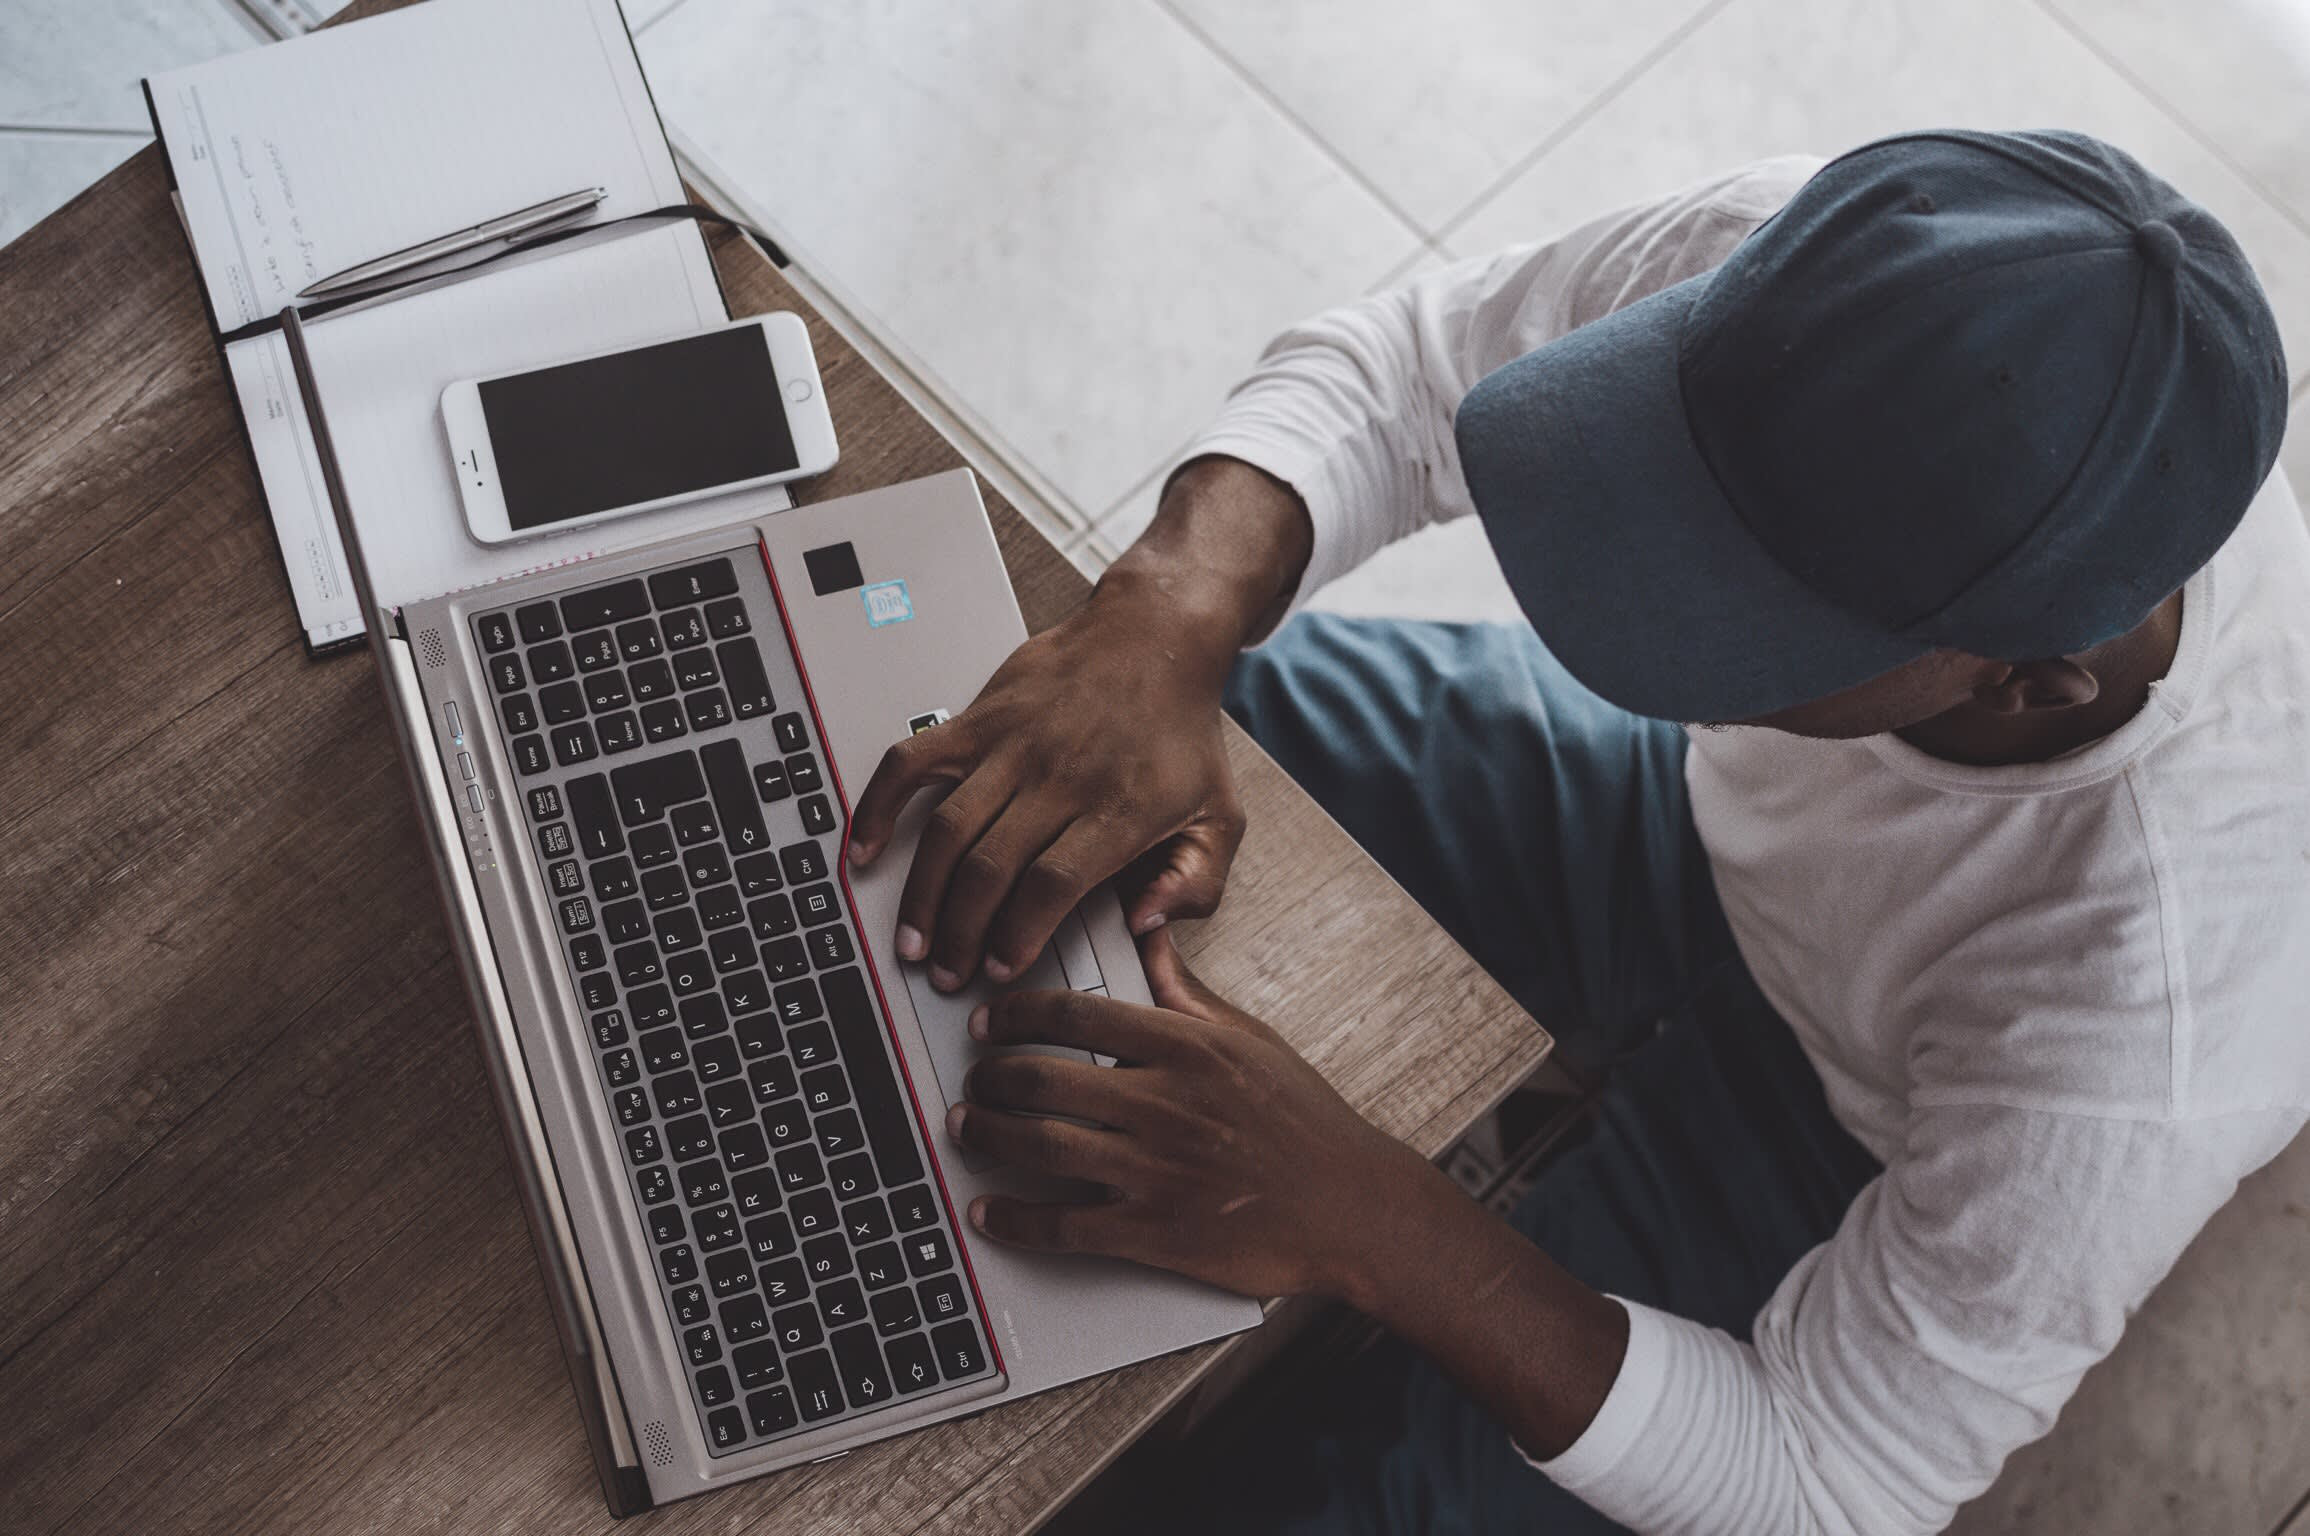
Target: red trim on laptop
<point>866,953</point>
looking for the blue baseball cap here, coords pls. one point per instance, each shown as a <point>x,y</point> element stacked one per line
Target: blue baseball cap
<point>1993,392</point>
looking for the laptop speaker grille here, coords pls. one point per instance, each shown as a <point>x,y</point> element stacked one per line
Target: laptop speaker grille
<point>660,1443</point>
<point>430,648</point>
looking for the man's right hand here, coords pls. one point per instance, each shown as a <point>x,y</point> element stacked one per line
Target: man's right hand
<point>1096,745</point>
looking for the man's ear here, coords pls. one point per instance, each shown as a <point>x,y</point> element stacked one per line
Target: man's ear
<point>2055,682</point>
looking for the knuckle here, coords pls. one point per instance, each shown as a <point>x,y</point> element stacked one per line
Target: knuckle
<point>946,823</point>
<point>1052,878</point>
<point>982,866</point>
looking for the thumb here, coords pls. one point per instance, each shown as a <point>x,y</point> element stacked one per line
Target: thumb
<point>1182,878</point>
<point>1172,985</point>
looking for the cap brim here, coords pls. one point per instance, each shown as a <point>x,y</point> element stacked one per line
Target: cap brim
<point>1623,551</point>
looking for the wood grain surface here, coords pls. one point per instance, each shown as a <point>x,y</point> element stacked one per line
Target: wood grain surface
<point>261,1264</point>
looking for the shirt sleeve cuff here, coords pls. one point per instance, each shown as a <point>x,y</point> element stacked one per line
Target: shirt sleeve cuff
<point>1307,469</point>
<point>1627,1411</point>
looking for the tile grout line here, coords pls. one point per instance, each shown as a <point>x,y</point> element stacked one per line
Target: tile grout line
<point>1589,109</point>
<point>2181,119</point>
<point>1277,105</point>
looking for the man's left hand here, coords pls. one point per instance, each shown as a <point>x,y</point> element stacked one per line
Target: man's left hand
<point>1226,1156</point>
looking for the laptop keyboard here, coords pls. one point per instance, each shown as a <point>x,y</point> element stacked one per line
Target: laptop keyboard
<point>676,795</point>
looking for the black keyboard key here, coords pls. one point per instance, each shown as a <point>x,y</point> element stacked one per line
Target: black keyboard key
<point>757,1192</point>
<point>730,1102</point>
<point>813,1045</point>
<point>613,879</point>
<point>544,803</point>
<point>702,1183</point>
<point>573,744</point>
<point>726,618</point>
<point>851,1176</point>
<point>692,1136</point>
<point>562,703</point>
<point>730,950</point>
<point>690,973</point>
<point>796,1327</point>
<point>625,922</point>
<point>756,1365</point>
<point>798,1167</point>
<point>652,846</point>
<point>803,862</point>
<point>824,1089</point>
<point>859,1359</point>
<point>714,1385</point>
<point>538,621</point>
<point>866,1221</point>
<point>702,1345</point>
<point>720,907</point>
<point>676,1093</point>
<point>706,709</point>
<point>663,721</point>
<point>694,824</point>
<point>664,889</point>
<point>785,1124</point>
<point>826,1257</point>
<point>726,1427</point>
<point>802,774</point>
<point>553,841</point>
<point>565,879</point>
<point>529,754</point>
<point>758,875</point>
<point>586,953</point>
<point>744,1318</point>
<point>520,715</point>
<point>696,669</point>
<point>831,946</point>
<point>792,736</point>
<point>655,1184</point>
<point>744,1148</point>
<point>772,1079</point>
<point>912,1367</point>
<point>785,959</point>
<point>781,1283</point>
<point>638,640</point>
<point>651,1007</point>
<point>550,663</point>
<point>643,1146</point>
<point>684,629</point>
<point>648,681</point>
<point>742,674</point>
<point>928,1252</point>
<point>693,583</point>
<point>613,604</point>
<point>958,1351</point>
<point>648,789</point>
<point>496,632</point>
<point>813,1213</point>
<point>707,865</point>
<point>942,1298</point>
<point>597,821</point>
<point>838,1134</point>
<point>678,931</point>
<point>817,815</point>
<point>606,691</point>
<point>797,1001</point>
<point>717,1227</point>
<point>817,1389</point>
<point>619,732</point>
<point>620,1068</point>
<point>772,1412</point>
<point>678,1264</point>
<point>889,1124</point>
<point>770,917</point>
<point>690,1307</point>
<point>663,1050</point>
<point>505,674</point>
<point>748,992</point>
<point>703,1017</point>
<point>638,966</point>
<point>577,915</point>
<point>880,1267</point>
<point>597,991</point>
<point>734,799</point>
<point>770,1237</point>
<point>770,781</point>
<point>609,1027</point>
<point>595,651</point>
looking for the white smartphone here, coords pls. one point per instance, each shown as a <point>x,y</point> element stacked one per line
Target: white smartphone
<point>597,437</point>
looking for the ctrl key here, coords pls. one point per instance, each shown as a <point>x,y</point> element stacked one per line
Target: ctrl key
<point>959,1354</point>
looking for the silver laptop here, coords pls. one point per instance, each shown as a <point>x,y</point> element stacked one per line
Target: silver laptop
<point>723,1089</point>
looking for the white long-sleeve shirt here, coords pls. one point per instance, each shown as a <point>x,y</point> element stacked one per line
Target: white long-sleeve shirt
<point>2066,1004</point>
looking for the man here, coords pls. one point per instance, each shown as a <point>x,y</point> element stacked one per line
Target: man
<point>1943,995</point>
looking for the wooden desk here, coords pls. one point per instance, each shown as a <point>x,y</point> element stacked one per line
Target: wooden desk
<point>261,1265</point>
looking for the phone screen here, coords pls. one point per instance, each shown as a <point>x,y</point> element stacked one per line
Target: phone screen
<point>662,420</point>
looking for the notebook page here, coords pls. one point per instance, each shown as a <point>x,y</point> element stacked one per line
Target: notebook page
<point>298,160</point>
<point>381,371</point>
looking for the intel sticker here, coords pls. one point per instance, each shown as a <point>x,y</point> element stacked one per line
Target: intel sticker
<point>887,603</point>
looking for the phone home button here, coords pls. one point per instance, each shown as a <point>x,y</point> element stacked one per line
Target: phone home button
<point>798,390</point>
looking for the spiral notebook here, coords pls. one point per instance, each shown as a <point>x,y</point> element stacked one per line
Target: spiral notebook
<point>301,159</point>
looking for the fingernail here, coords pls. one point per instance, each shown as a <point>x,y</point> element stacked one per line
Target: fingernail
<point>1149,923</point>
<point>978,1213</point>
<point>944,979</point>
<point>910,945</point>
<point>954,1120</point>
<point>997,971</point>
<point>978,1022</point>
<point>861,853</point>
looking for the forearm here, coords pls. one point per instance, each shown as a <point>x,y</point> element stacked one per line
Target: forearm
<point>1224,554</point>
<point>1531,1344</point>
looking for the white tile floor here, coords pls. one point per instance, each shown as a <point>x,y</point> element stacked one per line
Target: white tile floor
<point>1075,221</point>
